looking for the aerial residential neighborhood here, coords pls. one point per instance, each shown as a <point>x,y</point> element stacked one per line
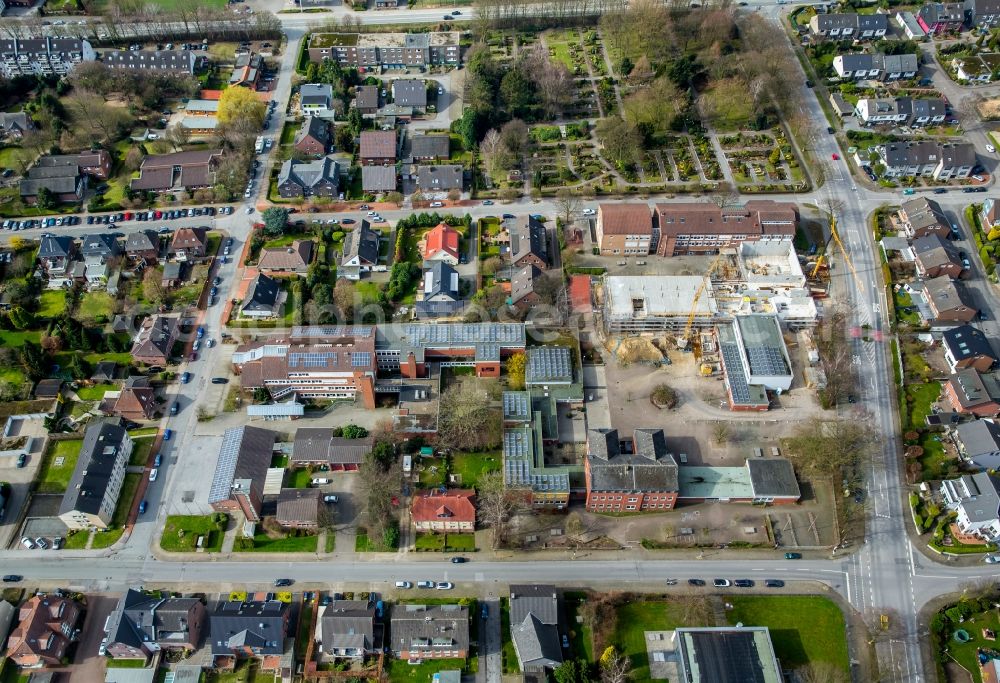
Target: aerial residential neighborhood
<point>492,342</point>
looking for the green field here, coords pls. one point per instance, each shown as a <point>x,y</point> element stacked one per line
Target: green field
<point>140,451</point>
<point>193,527</point>
<point>300,478</point>
<point>445,542</point>
<point>53,478</point>
<point>921,396</point>
<point>124,506</point>
<point>804,628</point>
<point>106,539</point>
<point>290,544</point>
<point>76,540</point>
<point>470,466</point>
<point>14,338</point>
<point>399,670</point>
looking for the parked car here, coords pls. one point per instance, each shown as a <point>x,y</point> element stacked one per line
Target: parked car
<point>774,583</point>
<point>992,559</point>
<point>185,377</point>
<point>167,433</point>
<point>27,543</point>
<point>793,556</point>
<point>158,460</point>
<point>445,586</point>
<point>142,508</point>
<point>279,583</point>
<point>425,584</point>
<point>152,474</point>
<point>175,408</point>
<point>743,583</point>
<point>404,584</point>
<point>41,543</point>
<point>458,560</point>
<point>12,578</point>
<point>696,582</point>
<point>22,460</point>
<point>721,583</point>
<point>331,499</point>
<point>220,380</point>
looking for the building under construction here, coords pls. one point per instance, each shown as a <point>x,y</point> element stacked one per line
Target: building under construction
<point>641,304</point>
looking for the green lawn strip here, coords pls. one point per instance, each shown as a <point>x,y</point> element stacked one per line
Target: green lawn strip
<point>76,540</point>
<point>143,431</point>
<point>804,629</point>
<point>445,542</point>
<point>362,544</point>
<point>140,451</point>
<point>400,670</point>
<point>94,304</point>
<point>12,375</point>
<point>51,303</point>
<point>331,540</point>
<point>53,478</point>
<point>299,478</point>
<point>13,338</point>
<point>129,487</point>
<point>368,291</point>
<point>106,539</point>
<point>508,655</point>
<point>580,636</point>
<point>921,396</point>
<point>95,392</point>
<point>193,527</point>
<point>290,544</point>
<point>126,663</point>
<point>470,466</point>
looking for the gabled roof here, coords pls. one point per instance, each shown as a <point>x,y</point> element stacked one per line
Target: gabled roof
<point>245,455</point>
<point>140,620</point>
<point>363,243</point>
<point>262,295</point>
<point>534,619</point>
<point>625,219</point>
<point>442,177</point>
<point>367,96</point>
<point>979,437</point>
<point>440,279</point>
<point>95,467</point>
<point>136,397</point>
<point>315,444</point>
<point>649,468</point>
<point>409,92</point>
<point>429,146</point>
<point>378,178</point>
<point>257,625</point>
<point>316,93</point>
<point>56,246</point>
<point>142,240</point>
<point>378,144</point>
<point>309,174</point>
<point>298,506</point>
<point>528,237</point>
<point>441,237</point>
<point>315,128</point>
<point>99,244</point>
<point>773,477</point>
<point>293,257</point>
<point>522,284</point>
<point>347,624</point>
<point>189,238</point>
<point>965,341</point>
<point>155,337</point>
<point>454,505</point>
<point>424,627</point>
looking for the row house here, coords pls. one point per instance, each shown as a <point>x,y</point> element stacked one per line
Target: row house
<point>982,13</point>
<point>43,56</point>
<point>850,26</point>
<point>877,66</point>
<point>927,158</point>
<point>903,111</point>
<point>386,50</point>
<point>941,17</point>
<point>160,61</point>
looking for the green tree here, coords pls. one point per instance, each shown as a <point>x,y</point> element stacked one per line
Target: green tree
<point>469,127</point>
<point>33,361</point>
<point>20,318</point>
<point>384,453</point>
<point>517,91</point>
<point>354,432</point>
<point>275,220</point>
<point>46,200</point>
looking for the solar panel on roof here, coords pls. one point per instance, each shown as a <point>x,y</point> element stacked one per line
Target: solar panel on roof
<point>361,359</point>
<point>766,360</point>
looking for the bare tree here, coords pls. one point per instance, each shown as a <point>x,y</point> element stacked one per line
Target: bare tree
<point>568,204</point>
<point>514,135</point>
<point>470,415</point>
<point>614,666</point>
<point>494,155</point>
<point>497,505</point>
<point>725,195</point>
<point>822,672</point>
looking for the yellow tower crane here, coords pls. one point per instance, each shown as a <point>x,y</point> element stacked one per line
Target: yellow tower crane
<point>685,338</point>
<point>843,251</point>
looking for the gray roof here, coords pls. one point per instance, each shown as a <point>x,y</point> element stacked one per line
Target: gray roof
<point>522,283</point>
<point>727,655</point>
<point>424,627</point>
<point>979,437</point>
<point>528,237</point>
<point>552,364</point>
<point>367,96</point>
<point>262,295</point>
<point>309,173</point>
<point>58,246</point>
<point>944,294</point>
<point>140,619</point>
<point>362,242</point>
<point>318,444</point>
<point>965,341</point>
<point>898,63</point>
<point>534,625</point>
<point>440,279</point>
<point>298,506</point>
<point>258,625</point>
<point>378,178</point>
<point>348,624</point>
<point>315,128</point>
<point>153,60</point>
<point>95,466</point>
<point>99,244</point>
<point>772,477</point>
<point>540,600</point>
<point>603,443</point>
<point>18,120</point>
<point>245,454</point>
<point>927,152</point>
<point>923,212</point>
<point>316,93</point>
<point>446,177</point>
<point>7,612</point>
<point>932,251</point>
<point>142,240</point>
<point>516,406</point>
<point>409,92</point>
<point>430,146</point>
<point>983,502</point>
<point>928,108</point>
<point>649,468</point>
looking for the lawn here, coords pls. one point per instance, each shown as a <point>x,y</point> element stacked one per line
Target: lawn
<point>291,544</point>
<point>106,539</point>
<point>96,392</point>
<point>76,540</point>
<point>920,397</point>
<point>580,636</point>
<point>51,303</point>
<point>470,466</point>
<point>368,291</point>
<point>362,544</point>
<point>445,542</point>
<point>288,133</point>
<point>934,462</point>
<point>12,338</point>
<point>331,540</point>
<point>559,44</point>
<point>54,478</point>
<point>124,506</point>
<point>634,618</point>
<point>300,478</point>
<point>508,655</point>
<point>287,239</point>
<point>399,670</point>
<point>804,629</point>
<point>12,375</point>
<point>8,157</point>
<point>140,451</point>
<point>193,527</point>
<point>94,304</point>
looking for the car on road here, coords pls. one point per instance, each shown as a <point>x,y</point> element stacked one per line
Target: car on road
<point>696,582</point>
<point>220,380</point>
<point>589,212</point>
<point>939,190</point>
<point>280,583</point>
<point>458,560</point>
<point>331,499</point>
<point>721,583</point>
<point>565,641</point>
<point>152,474</point>
<point>404,584</point>
<point>774,583</point>
<point>22,460</point>
<point>445,586</point>
<point>991,149</point>
<point>175,408</point>
<point>12,578</point>
<point>835,156</point>
<point>743,583</point>
<point>201,332</point>
<point>103,649</point>
<point>793,556</point>
<point>158,460</point>
<point>485,613</point>
<point>167,433</point>
<point>142,508</point>
<point>348,221</point>
<point>185,377</point>
<point>992,559</point>
<point>425,584</point>
<point>487,202</point>
<point>830,130</point>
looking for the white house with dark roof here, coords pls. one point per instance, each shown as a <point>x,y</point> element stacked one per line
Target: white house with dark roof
<point>534,627</point>
<point>976,500</point>
<point>979,442</point>
<point>316,99</point>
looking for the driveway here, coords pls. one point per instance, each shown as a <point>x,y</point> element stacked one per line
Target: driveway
<point>88,666</point>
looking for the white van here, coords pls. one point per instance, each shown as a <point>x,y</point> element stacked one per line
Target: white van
<point>404,584</point>
<point>320,482</point>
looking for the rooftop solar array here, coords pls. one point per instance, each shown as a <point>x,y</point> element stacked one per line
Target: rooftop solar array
<point>312,360</point>
<point>516,406</point>
<point>766,360</point>
<point>225,469</point>
<point>549,364</point>
<point>361,359</point>
<point>312,331</point>
<point>451,334</point>
<point>735,373</point>
<point>488,351</point>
